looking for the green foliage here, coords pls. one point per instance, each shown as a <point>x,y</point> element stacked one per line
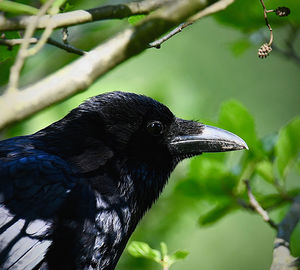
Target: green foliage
<point>265,170</point>
<point>271,201</point>
<point>235,117</point>
<point>67,7</point>
<point>6,52</point>
<point>247,15</point>
<point>177,256</point>
<point>135,19</point>
<point>17,8</point>
<point>164,249</point>
<point>288,146</point>
<point>219,178</point>
<point>141,249</point>
<point>216,179</point>
<point>216,213</point>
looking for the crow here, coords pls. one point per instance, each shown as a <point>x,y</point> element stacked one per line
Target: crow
<point>72,193</point>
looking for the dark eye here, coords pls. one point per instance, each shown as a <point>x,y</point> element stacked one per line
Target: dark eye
<point>155,128</point>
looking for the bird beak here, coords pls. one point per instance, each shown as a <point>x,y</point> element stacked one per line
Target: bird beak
<point>201,138</point>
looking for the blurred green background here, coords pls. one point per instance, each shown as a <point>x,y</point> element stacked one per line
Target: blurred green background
<point>193,74</point>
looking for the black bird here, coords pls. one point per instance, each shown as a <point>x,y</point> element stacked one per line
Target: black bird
<point>72,193</point>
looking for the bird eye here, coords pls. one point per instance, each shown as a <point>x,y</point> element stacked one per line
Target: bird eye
<point>155,128</point>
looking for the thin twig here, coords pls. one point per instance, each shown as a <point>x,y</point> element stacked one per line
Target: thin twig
<point>22,53</point>
<point>257,207</point>
<point>157,43</point>
<point>247,206</point>
<point>18,41</point>
<point>67,47</point>
<point>282,258</point>
<point>267,22</point>
<point>218,6</point>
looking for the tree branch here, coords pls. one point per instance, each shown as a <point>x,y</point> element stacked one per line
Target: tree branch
<point>18,41</point>
<point>282,258</point>
<point>218,6</point>
<point>65,46</point>
<point>267,22</point>
<point>257,207</point>
<point>83,72</point>
<point>83,16</point>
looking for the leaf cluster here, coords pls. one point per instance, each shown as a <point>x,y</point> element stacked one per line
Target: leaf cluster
<point>143,250</point>
<point>219,178</point>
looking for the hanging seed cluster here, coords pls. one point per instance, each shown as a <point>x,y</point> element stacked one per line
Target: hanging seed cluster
<point>282,11</point>
<point>264,50</point>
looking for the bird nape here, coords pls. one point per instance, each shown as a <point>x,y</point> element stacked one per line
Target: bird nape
<point>72,193</point>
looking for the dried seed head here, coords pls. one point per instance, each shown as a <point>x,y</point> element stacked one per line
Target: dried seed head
<point>264,50</point>
<point>282,11</point>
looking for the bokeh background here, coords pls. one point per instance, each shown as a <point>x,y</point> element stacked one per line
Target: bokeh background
<point>193,73</point>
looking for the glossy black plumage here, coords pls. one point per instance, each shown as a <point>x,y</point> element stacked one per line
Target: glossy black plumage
<point>72,193</point>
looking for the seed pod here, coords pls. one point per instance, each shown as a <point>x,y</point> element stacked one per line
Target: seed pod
<point>282,11</point>
<point>264,50</point>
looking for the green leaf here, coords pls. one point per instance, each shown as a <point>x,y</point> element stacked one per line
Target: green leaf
<point>6,52</point>
<point>141,249</point>
<point>235,118</point>
<point>190,188</point>
<point>210,176</point>
<point>280,212</point>
<point>135,19</point>
<point>288,146</point>
<point>265,170</point>
<point>294,192</point>
<point>17,8</point>
<point>271,201</point>
<point>178,255</point>
<point>215,214</point>
<point>68,7</point>
<point>164,249</point>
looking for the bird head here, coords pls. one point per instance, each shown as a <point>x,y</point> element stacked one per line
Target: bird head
<point>146,130</point>
<point>140,138</point>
